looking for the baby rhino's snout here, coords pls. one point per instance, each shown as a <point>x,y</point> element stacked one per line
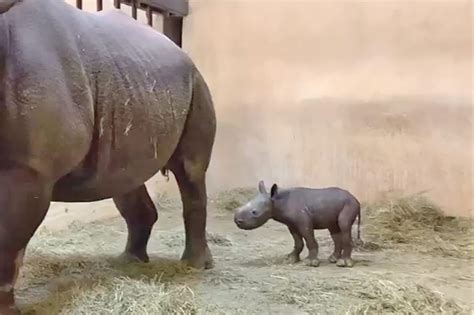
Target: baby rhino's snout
<point>249,217</point>
<point>238,222</point>
<point>238,217</point>
<point>241,217</point>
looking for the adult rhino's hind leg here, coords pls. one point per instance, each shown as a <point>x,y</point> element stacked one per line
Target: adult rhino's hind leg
<point>24,201</point>
<point>140,214</point>
<point>193,195</point>
<point>189,164</point>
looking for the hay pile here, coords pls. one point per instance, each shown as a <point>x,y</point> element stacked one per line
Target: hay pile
<point>387,297</point>
<point>231,199</point>
<point>128,296</point>
<point>94,286</point>
<point>369,295</point>
<point>121,295</point>
<point>60,276</point>
<point>416,222</point>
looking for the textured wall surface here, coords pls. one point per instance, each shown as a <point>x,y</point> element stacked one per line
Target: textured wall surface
<point>367,95</point>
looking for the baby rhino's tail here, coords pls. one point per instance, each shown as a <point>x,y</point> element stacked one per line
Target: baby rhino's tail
<point>358,241</point>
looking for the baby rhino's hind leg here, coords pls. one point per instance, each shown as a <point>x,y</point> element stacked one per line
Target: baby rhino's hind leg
<point>345,220</point>
<point>337,239</point>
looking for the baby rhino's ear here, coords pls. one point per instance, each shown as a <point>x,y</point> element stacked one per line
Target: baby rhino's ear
<point>261,187</point>
<point>274,190</point>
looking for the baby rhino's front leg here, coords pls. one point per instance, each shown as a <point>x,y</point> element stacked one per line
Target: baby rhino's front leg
<point>312,245</point>
<point>304,229</point>
<point>294,256</point>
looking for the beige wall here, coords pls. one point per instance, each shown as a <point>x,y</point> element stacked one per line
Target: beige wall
<point>368,95</point>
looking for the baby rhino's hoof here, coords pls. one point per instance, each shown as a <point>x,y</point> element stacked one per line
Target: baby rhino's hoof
<point>314,262</point>
<point>332,259</point>
<point>348,262</point>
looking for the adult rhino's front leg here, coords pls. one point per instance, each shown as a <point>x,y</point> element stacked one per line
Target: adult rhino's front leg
<point>140,214</point>
<point>24,201</point>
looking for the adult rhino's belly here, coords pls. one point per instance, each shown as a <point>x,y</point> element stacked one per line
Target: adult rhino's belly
<point>84,185</point>
<point>105,174</point>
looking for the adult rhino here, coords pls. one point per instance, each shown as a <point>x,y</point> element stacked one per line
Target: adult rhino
<point>92,106</point>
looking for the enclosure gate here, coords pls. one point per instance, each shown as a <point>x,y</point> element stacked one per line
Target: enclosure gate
<point>173,12</point>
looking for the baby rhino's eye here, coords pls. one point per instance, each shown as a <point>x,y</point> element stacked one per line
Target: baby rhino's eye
<point>254,212</point>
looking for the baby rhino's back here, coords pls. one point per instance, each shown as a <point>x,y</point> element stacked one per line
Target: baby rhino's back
<point>324,204</point>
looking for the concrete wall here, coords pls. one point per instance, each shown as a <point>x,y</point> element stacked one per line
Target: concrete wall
<point>367,95</point>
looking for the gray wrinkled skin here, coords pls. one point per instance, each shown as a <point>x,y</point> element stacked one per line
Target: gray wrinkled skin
<point>303,210</point>
<point>91,106</point>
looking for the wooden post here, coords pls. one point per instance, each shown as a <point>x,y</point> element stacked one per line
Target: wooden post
<point>134,9</point>
<point>173,28</point>
<point>100,5</point>
<point>149,16</point>
<point>117,4</point>
<point>79,4</point>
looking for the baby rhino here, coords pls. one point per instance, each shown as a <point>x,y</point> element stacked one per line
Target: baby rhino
<point>303,210</point>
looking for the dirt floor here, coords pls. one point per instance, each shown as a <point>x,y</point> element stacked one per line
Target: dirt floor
<point>76,271</point>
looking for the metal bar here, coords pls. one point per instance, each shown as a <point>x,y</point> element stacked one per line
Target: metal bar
<point>100,5</point>
<point>149,16</point>
<point>79,4</point>
<point>173,28</point>
<point>134,9</point>
<point>117,4</point>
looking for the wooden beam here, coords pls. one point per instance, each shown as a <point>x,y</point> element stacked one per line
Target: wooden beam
<point>173,28</point>
<point>117,4</point>
<point>149,16</point>
<point>79,4</point>
<point>100,5</point>
<point>175,7</point>
<point>134,9</point>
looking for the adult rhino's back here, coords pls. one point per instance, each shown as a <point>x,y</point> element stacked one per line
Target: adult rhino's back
<point>143,85</point>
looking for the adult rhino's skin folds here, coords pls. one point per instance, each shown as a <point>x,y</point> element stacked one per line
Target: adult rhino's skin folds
<point>92,105</point>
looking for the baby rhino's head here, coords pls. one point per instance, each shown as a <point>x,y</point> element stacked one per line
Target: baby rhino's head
<point>257,211</point>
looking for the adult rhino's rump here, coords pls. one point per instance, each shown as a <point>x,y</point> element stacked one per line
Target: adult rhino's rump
<point>91,106</point>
